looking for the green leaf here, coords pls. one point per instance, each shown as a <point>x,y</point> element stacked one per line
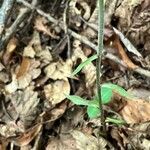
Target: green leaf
<point>83,64</point>
<point>117,89</point>
<point>106,94</point>
<point>80,101</point>
<point>115,121</point>
<point>93,112</point>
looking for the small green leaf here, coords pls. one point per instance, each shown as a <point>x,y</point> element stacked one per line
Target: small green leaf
<point>115,121</point>
<point>80,101</point>
<point>106,94</point>
<point>117,89</point>
<point>93,112</point>
<point>83,64</point>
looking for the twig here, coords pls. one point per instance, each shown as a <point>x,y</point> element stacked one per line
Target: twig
<point>66,29</point>
<point>12,29</point>
<point>84,40</point>
<point>4,12</point>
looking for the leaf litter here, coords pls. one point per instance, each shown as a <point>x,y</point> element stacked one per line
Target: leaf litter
<point>36,77</point>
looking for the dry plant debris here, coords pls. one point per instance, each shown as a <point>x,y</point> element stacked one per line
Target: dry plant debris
<point>41,43</point>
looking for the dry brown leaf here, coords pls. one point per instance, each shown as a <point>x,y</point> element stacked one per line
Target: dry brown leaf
<point>23,112</point>
<point>44,56</point>
<point>76,140</point>
<point>136,111</point>
<point>55,113</point>
<point>26,137</point>
<point>123,55</point>
<point>24,67</point>
<point>11,46</point>
<point>89,142</point>
<point>55,92</point>
<point>59,70</point>
<point>66,142</point>
<point>40,25</point>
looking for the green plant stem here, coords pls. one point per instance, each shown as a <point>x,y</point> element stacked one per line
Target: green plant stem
<point>99,59</point>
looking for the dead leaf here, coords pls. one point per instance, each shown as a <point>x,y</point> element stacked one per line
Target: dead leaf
<point>26,137</point>
<point>40,25</point>
<point>140,93</point>
<point>55,92</point>
<point>29,52</point>
<point>66,142</point>
<point>139,134</point>
<point>89,142</point>
<point>11,46</point>
<point>136,111</point>
<point>59,70</point>
<point>123,55</point>
<point>24,67</point>
<point>55,113</point>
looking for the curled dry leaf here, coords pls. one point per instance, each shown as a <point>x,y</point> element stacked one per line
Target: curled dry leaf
<point>55,92</point>
<point>11,46</point>
<point>59,70</point>
<point>123,55</point>
<point>40,25</point>
<point>26,137</point>
<point>44,56</point>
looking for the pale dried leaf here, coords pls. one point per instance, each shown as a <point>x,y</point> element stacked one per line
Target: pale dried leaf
<point>59,70</point>
<point>89,142</point>
<point>55,92</point>
<point>66,142</point>
<point>29,52</point>
<point>27,72</point>
<point>45,56</point>
<point>13,86</point>
<point>25,103</point>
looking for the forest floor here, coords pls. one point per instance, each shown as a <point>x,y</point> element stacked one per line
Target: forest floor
<point>42,42</point>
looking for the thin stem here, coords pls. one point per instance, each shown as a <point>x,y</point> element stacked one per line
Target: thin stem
<point>99,59</point>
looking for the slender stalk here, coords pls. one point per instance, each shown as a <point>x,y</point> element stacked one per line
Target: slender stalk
<point>99,59</point>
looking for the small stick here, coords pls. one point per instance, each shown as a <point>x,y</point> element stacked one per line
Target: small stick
<point>4,12</point>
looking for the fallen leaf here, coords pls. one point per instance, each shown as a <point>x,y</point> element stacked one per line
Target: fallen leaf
<point>55,92</point>
<point>24,67</point>
<point>29,52</point>
<point>59,70</point>
<point>40,25</point>
<point>136,111</point>
<point>89,142</point>
<point>11,46</point>
<point>26,137</point>
<point>123,55</point>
